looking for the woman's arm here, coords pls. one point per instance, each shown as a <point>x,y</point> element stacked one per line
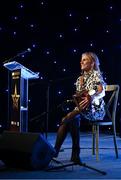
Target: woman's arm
<point>98,90</point>
<point>86,100</point>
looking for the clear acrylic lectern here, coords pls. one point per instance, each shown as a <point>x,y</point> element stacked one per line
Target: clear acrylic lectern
<point>18,95</point>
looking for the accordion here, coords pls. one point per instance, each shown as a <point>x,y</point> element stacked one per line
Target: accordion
<point>79,96</point>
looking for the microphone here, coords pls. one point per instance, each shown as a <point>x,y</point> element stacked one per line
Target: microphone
<point>69,100</point>
<point>24,52</point>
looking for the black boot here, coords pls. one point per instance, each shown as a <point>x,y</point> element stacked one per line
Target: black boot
<point>61,135</point>
<point>75,156</point>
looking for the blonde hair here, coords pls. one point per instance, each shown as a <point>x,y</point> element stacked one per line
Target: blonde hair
<point>92,56</point>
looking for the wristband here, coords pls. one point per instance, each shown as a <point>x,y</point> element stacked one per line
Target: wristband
<point>91,92</point>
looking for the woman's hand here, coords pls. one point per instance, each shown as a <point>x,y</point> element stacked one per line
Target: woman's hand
<point>82,99</point>
<point>85,102</point>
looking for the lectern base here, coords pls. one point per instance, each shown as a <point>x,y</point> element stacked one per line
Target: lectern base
<point>14,128</point>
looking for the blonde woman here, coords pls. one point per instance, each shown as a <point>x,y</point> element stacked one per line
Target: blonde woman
<point>89,103</point>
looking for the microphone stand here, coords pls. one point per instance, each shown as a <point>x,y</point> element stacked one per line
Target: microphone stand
<point>48,100</point>
<point>10,59</point>
<point>48,107</point>
<point>18,55</point>
<point>47,112</point>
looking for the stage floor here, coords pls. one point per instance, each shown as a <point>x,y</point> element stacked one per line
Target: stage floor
<point>107,162</point>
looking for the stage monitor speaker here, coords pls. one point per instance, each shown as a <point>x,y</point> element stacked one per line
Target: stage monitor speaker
<point>26,150</point>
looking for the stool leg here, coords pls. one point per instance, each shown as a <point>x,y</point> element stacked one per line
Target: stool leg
<point>114,140</point>
<point>93,139</point>
<point>97,142</point>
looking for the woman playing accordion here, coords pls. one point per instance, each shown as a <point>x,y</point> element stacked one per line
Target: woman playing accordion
<point>89,103</point>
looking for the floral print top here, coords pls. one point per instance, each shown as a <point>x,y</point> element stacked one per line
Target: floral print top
<point>96,109</point>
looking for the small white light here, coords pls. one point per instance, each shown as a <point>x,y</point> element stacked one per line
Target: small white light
<point>102,50</point>
<point>75,29</point>
<point>15,17</point>
<point>74,50</point>
<point>21,6</point>
<point>28,50</point>
<point>31,25</point>
<point>60,36</point>
<point>14,33</point>
<point>33,45</point>
<point>22,56</point>
<point>87,17</point>
<point>59,92</point>
<point>47,52</point>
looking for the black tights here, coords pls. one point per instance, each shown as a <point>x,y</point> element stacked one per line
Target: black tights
<point>74,127</point>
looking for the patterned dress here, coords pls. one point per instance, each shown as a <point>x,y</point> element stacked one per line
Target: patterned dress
<point>96,109</point>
